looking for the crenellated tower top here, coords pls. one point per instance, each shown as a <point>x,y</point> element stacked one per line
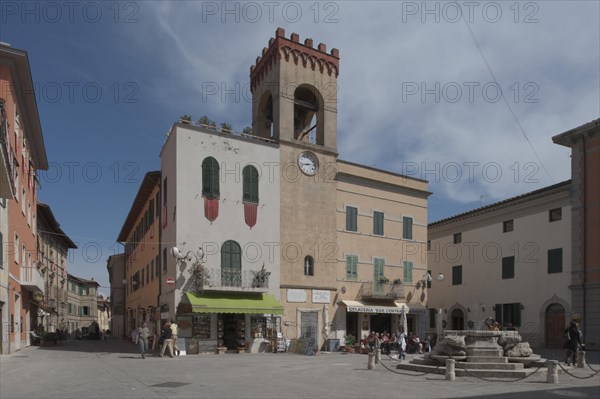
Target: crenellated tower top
<point>300,54</point>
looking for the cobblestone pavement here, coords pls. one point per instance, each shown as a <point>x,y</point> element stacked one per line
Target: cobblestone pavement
<point>108,369</point>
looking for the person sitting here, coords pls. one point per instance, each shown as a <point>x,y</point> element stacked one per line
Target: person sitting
<point>414,344</point>
<point>385,343</point>
<point>35,338</point>
<point>393,343</point>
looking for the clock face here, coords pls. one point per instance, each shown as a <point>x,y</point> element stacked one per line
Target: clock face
<point>308,163</point>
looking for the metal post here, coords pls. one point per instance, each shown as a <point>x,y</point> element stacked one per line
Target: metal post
<point>552,372</point>
<point>580,359</point>
<point>450,373</point>
<point>371,364</point>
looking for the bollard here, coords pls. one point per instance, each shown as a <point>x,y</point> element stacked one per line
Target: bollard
<point>378,356</point>
<point>552,372</point>
<point>580,359</point>
<point>450,374</point>
<point>371,364</point>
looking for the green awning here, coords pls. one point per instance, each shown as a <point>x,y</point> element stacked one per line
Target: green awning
<point>234,303</point>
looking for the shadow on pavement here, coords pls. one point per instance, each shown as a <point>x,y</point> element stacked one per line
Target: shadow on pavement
<point>583,392</point>
<point>91,346</point>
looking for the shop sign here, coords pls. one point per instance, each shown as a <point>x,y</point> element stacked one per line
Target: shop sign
<point>375,309</point>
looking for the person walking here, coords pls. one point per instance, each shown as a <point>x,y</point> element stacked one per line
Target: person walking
<point>168,342</point>
<point>573,342</point>
<point>174,331</point>
<point>143,333</point>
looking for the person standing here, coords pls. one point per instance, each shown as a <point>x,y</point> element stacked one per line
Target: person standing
<point>168,342</point>
<point>143,333</point>
<point>401,343</point>
<point>175,330</point>
<point>573,342</point>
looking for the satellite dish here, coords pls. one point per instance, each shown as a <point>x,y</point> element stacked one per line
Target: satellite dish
<point>200,253</point>
<point>176,253</point>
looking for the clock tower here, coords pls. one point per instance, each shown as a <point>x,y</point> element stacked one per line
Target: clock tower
<point>294,103</point>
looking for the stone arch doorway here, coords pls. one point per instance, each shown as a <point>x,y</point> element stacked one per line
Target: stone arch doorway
<point>555,325</point>
<point>457,318</point>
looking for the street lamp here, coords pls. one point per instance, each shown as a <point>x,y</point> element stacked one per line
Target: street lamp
<point>199,254</point>
<point>440,277</point>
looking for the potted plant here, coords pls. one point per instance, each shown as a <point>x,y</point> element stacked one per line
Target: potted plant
<point>350,342</point>
<point>397,281</point>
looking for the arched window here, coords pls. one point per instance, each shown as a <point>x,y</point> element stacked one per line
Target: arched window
<point>210,178</point>
<point>309,266</point>
<point>250,185</point>
<point>231,264</point>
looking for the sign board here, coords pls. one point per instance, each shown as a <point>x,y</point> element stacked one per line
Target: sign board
<point>170,281</point>
<point>375,309</point>
<point>181,346</point>
<point>321,296</point>
<point>296,295</point>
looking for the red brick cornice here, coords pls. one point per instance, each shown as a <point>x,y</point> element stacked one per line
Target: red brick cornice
<point>294,51</point>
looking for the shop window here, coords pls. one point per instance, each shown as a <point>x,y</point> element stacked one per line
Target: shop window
<point>258,326</point>
<point>201,327</point>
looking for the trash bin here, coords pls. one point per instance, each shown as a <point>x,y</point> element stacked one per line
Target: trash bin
<point>332,345</point>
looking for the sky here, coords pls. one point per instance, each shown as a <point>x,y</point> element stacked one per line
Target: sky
<point>466,95</point>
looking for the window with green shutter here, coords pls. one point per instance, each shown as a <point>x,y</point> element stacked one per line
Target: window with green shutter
<point>378,223</point>
<point>508,267</point>
<point>1,252</point>
<point>408,271</point>
<point>351,216</point>
<point>378,266</point>
<point>407,228</point>
<point>555,260</point>
<point>351,262</point>
<point>457,275</point>
<point>231,264</point>
<point>250,184</point>
<point>210,178</point>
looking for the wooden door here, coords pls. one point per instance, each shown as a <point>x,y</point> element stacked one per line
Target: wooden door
<point>555,326</point>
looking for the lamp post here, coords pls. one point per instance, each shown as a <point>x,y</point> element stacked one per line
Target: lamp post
<point>440,313</point>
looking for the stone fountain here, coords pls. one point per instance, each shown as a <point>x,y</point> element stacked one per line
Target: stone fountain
<point>482,353</point>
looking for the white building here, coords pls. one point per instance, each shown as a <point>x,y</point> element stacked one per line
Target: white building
<point>510,261</point>
<point>220,192</point>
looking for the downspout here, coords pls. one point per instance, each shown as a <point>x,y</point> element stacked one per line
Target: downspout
<point>584,227</point>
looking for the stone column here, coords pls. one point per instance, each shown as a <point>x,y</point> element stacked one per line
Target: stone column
<point>552,372</point>
<point>580,359</point>
<point>450,373</point>
<point>371,364</point>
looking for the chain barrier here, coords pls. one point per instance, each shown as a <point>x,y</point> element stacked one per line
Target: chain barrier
<point>497,380</point>
<point>410,374</point>
<point>576,376</point>
<point>591,368</point>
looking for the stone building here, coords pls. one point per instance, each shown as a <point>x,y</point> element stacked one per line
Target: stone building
<point>118,286</point>
<point>82,306</point>
<point>584,142</point>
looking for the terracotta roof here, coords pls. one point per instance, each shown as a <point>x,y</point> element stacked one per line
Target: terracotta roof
<point>47,216</point>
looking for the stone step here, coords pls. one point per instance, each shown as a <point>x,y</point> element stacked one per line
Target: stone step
<point>487,359</point>
<point>471,366</point>
<point>502,374</point>
<point>485,352</point>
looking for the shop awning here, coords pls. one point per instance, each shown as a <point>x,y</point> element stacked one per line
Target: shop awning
<point>234,303</point>
<point>361,307</point>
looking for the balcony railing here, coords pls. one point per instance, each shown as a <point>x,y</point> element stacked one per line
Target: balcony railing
<point>374,290</point>
<point>32,280</point>
<point>236,280</point>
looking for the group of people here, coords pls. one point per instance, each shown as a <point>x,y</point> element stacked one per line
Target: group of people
<point>573,342</point>
<point>401,342</point>
<point>168,339</point>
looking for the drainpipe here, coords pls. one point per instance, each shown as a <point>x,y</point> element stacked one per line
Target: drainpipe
<point>584,246</point>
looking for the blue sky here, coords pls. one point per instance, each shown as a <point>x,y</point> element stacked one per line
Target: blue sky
<point>417,92</point>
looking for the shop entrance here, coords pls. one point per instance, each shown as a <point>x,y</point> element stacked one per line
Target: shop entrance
<point>381,322</point>
<point>234,330</point>
<point>352,324</point>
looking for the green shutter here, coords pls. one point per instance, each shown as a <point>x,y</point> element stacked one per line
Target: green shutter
<point>1,251</point>
<point>407,227</point>
<point>250,184</point>
<point>378,223</point>
<point>498,314</point>
<point>457,275</point>
<point>210,178</point>
<point>378,265</point>
<point>555,260</point>
<point>408,266</point>
<point>351,214</point>
<point>516,315</point>
<point>508,267</point>
<point>351,262</point>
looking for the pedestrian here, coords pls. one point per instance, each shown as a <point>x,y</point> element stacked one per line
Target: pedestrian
<point>572,342</point>
<point>175,330</point>
<point>143,333</point>
<point>401,343</point>
<point>168,342</point>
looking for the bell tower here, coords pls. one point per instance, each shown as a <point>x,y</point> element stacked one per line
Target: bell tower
<point>294,92</point>
<point>294,102</point>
